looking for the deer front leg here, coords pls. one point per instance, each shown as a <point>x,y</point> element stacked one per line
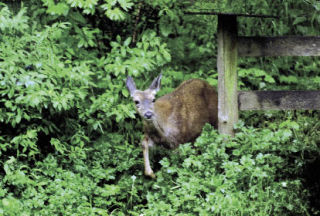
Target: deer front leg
<point>146,142</point>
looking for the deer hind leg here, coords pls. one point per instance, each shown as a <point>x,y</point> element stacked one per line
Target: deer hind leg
<point>146,143</point>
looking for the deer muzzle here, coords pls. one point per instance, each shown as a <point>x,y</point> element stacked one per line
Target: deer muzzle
<point>148,115</point>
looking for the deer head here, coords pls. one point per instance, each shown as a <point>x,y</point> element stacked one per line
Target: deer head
<point>144,100</point>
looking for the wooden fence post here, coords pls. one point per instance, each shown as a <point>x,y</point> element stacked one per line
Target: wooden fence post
<point>227,73</point>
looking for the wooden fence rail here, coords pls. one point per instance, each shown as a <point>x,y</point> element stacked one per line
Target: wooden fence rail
<point>278,46</point>
<point>279,100</point>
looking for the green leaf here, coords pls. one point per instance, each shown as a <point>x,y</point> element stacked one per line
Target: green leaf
<point>125,4</point>
<point>165,29</point>
<point>18,116</point>
<point>34,100</point>
<point>269,79</point>
<point>115,14</point>
<point>166,55</point>
<point>125,92</point>
<point>58,9</point>
<point>110,190</point>
<point>288,79</point>
<point>127,41</point>
<point>299,20</point>
<point>77,16</point>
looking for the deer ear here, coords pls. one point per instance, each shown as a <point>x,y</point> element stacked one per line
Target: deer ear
<point>131,85</point>
<point>156,83</point>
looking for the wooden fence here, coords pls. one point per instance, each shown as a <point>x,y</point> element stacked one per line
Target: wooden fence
<point>230,47</point>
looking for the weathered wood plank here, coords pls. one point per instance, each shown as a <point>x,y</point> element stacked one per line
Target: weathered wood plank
<point>279,46</point>
<point>227,74</point>
<point>279,100</point>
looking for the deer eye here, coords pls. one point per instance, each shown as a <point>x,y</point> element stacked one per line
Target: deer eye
<point>154,100</point>
<point>136,102</point>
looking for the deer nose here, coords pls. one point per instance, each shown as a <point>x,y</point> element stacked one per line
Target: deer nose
<point>148,115</point>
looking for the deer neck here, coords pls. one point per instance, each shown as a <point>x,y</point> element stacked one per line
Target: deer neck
<point>157,132</point>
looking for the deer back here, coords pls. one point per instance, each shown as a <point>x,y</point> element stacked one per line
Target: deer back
<point>180,115</point>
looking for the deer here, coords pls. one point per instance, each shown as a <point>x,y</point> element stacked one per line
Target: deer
<point>175,118</point>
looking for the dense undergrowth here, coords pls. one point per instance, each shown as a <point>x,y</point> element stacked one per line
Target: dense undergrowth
<point>259,172</point>
<point>69,134</point>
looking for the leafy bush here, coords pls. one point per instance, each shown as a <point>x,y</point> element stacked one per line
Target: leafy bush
<point>238,177</point>
<point>38,85</point>
<point>250,174</point>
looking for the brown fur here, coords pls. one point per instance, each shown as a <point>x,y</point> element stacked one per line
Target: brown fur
<point>178,117</point>
<point>182,113</point>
